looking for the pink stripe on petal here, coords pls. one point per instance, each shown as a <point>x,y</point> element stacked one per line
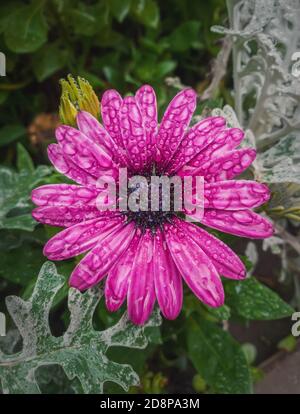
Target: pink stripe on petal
<point>228,166</point>
<point>197,270</point>
<point>80,238</point>
<point>66,166</point>
<point>65,216</point>
<point>141,293</point>
<point>134,135</point>
<point>146,100</point>
<point>244,223</point>
<point>167,279</point>
<point>226,262</point>
<point>64,195</point>
<point>85,153</point>
<point>235,195</point>
<point>98,262</point>
<point>110,107</point>
<point>195,140</point>
<point>225,140</point>
<point>174,124</point>
<point>117,282</point>
<point>92,128</point>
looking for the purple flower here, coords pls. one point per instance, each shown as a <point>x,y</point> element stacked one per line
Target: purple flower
<point>145,255</point>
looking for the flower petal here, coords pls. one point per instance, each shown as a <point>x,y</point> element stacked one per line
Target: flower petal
<point>225,140</point>
<point>97,263</point>
<point>141,293</point>
<point>67,167</point>
<point>80,238</point>
<point>64,195</point>
<point>134,135</point>
<point>195,140</point>
<point>235,194</point>
<point>65,216</point>
<point>92,128</point>
<point>167,279</point>
<point>173,125</point>
<point>226,262</point>
<point>197,270</point>
<point>228,166</point>
<point>146,100</point>
<point>85,153</point>
<point>244,223</point>
<point>117,282</point>
<point>110,106</point>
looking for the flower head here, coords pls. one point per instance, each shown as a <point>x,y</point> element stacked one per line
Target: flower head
<point>146,255</point>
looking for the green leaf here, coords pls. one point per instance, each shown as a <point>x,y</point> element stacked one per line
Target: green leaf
<point>3,96</point>
<point>280,163</point>
<point>24,162</point>
<point>164,68</point>
<point>81,351</point>
<point>21,264</point>
<point>27,29</point>
<point>192,304</point>
<point>87,20</point>
<point>49,60</point>
<point>15,188</point>
<point>147,12</point>
<point>288,344</point>
<point>10,133</point>
<point>119,8</point>
<point>222,313</point>
<point>6,9</point>
<point>185,36</point>
<point>218,358</point>
<point>252,300</point>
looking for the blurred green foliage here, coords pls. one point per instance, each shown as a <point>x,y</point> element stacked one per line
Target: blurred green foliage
<point>111,43</point>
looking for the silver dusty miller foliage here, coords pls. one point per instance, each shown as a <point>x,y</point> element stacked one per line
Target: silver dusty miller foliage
<point>265,36</point>
<point>266,39</point>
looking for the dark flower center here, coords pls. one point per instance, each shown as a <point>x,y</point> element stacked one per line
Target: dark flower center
<point>146,216</point>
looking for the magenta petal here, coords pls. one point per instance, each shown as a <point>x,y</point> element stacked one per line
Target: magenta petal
<point>64,195</point>
<point>141,293</point>
<point>226,262</point>
<point>225,140</point>
<point>173,125</point>
<point>195,140</point>
<point>117,282</point>
<point>228,166</point>
<point>134,135</point>
<point>80,238</point>
<point>244,223</point>
<point>85,153</point>
<point>167,279</point>
<point>66,166</point>
<point>110,107</point>
<point>197,270</point>
<point>92,128</point>
<point>146,100</point>
<point>235,195</point>
<point>98,262</point>
<point>65,216</point>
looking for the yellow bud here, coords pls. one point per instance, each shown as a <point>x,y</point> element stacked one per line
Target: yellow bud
<point>77,95</point>
<point>67,111</point>
<point>293,216</point>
